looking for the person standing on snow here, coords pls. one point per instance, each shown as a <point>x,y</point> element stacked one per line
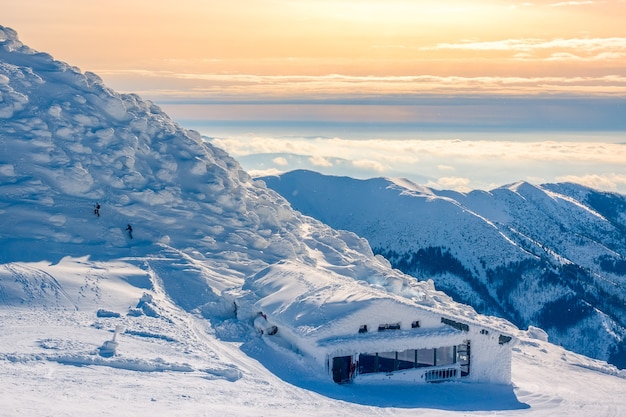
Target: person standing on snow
<point>130,231</point>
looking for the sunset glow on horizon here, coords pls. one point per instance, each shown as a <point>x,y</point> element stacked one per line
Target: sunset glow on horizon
<point>366,88</point>
<point>378,47</point>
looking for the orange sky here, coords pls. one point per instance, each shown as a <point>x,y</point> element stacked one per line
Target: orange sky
<point>539,77</point>
<point>198,47</point>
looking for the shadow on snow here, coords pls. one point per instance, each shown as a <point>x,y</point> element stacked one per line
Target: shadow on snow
<point>453,396</point>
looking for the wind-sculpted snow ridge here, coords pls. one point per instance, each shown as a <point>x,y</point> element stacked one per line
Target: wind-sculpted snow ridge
<point>68,143</point>
<point>86,171</point>
<point>552,256</point>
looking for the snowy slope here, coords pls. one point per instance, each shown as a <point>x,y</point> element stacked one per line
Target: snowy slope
<point>174,363</point>
<point>199,223</point>
<point>69,143</point>
<point>552,256</point>
<point>95,322</point>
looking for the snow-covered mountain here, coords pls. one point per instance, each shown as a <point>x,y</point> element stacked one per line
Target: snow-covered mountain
<point>552,256</point>
<point>99,318</point>
<point>86,171</point>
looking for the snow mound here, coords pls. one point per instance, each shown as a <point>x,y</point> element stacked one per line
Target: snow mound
<point>537,333</point>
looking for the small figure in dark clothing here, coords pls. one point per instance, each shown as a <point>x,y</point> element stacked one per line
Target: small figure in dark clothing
<point>130,231</point>
<point>96,210</point>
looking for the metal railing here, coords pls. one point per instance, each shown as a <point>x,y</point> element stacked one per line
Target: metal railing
<point>435,375</point>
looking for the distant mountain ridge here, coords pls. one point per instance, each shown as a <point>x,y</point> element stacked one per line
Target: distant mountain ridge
<point>552,256</point>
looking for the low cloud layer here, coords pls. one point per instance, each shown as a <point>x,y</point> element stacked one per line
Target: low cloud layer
<point>456,164</point>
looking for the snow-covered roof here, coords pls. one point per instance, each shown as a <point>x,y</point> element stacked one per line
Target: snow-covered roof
<point>320,304</point>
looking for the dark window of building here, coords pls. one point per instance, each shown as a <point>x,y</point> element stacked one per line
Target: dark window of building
<point>387,362</point>
<point>419,358</point>
<point>415,324</point>
<point>343,370</point>
<point>426,357</point>
<point>407,359</point>
<point>445,355</point>
<point>504,339</point>
<point>363,329</point>
<point>368,363</point>
<point>387,326</point>
<point>455,324</point>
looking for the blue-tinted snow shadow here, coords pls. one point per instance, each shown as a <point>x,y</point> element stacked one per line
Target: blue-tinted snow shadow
<point>450,396</point>
<point>37,250</point>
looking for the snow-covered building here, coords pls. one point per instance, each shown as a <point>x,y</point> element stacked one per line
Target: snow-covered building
<point>361,332</point>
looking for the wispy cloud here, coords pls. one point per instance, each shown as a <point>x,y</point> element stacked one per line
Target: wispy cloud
<point>369,117</point>
<point>281,161</point>
<point>610,181</point>
<point>371,165</point>
<point>264,172</point>
<point>242,86</point>
<point>320,161</point>
<point>451,183</point>
<point>445,168</point>
<point>573,3</point>
<point>533,44</point>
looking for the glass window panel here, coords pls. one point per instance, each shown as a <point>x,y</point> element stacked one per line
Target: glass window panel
<point>407,355</point>
<point>367,363</point>
<point>406,359</point>
<point>445,356</point>
<point>386,361</point>
<point>426,357</point>
<point>388,355</point>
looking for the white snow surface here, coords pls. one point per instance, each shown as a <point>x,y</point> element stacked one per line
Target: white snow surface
<point>96,323</point>
<point>179,363</point>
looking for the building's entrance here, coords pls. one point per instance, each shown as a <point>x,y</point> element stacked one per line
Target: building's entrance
<point>343,369</point>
